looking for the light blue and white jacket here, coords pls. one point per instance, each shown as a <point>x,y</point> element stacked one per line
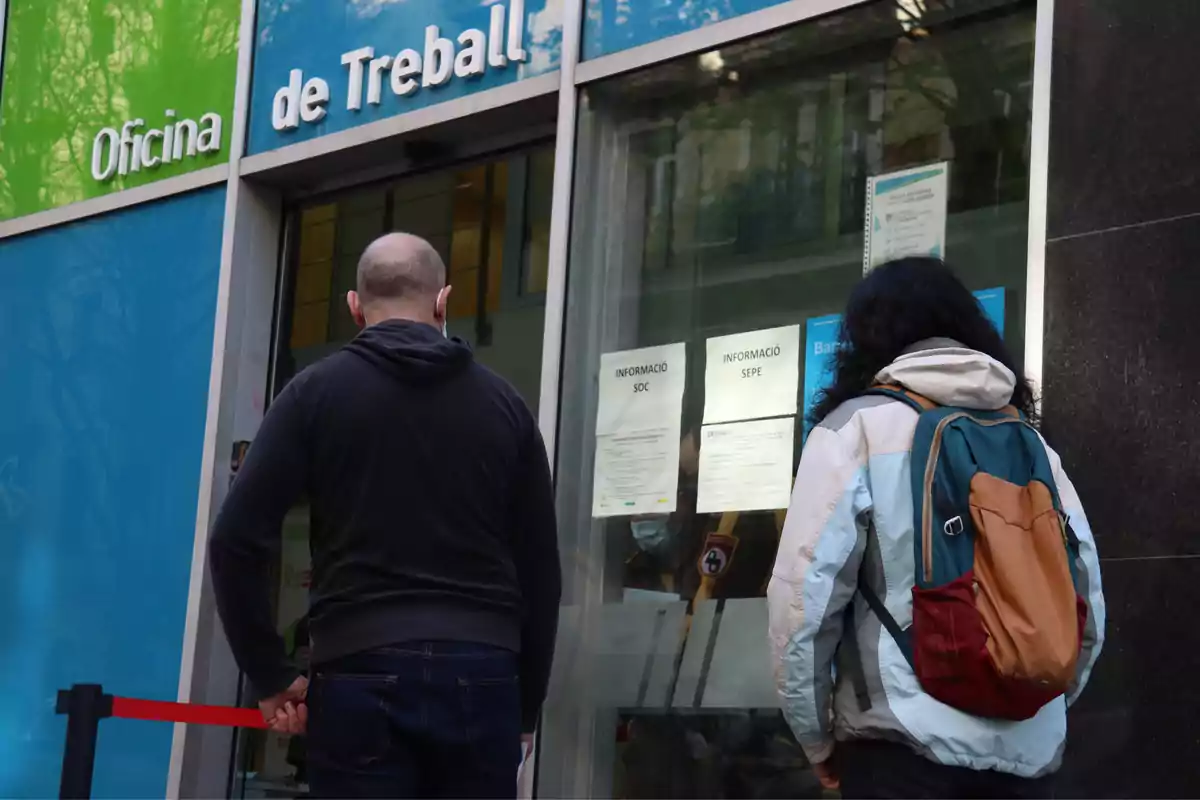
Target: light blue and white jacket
<point>851,519</point>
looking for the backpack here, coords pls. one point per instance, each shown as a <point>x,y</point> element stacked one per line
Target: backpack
<point>997,620</point>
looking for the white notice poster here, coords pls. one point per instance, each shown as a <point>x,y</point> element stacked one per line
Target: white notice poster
<point>752,375</point>
<point>746,466</point>
<point>641,389</point>
<point>906,214</point>
<point>636,473</point>
<point>637,431</point>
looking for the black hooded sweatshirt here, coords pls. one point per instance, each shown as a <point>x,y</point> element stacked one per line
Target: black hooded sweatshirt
<point>431,505</point>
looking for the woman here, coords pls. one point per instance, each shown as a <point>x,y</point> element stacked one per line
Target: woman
<point>912,323</point>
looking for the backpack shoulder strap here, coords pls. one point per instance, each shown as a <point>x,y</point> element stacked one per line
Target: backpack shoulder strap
<point>856,668</point>
<point>916,402</point>
<point>888,621</point>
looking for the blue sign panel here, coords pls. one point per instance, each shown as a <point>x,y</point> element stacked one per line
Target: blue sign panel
<point>327,65</point>
<point>821,341</point>
<point>992,301</point>
<point>820,346</point>
<point>612,25</point>
<point>106,330</point>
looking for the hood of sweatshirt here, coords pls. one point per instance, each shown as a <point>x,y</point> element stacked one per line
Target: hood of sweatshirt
<point>412,352</point>
<point>952,375</point>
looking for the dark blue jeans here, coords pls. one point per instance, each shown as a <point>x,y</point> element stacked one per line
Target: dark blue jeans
<point>422,719</point>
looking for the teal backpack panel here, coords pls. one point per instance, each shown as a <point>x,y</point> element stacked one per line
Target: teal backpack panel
<point>1009,447</point>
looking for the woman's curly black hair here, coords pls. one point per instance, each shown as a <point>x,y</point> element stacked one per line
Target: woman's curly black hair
<point>897,305</point>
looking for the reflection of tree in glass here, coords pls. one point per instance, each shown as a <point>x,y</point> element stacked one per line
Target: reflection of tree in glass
<point>73,67</point>
<point>976,70</point>
<point>789,126</point>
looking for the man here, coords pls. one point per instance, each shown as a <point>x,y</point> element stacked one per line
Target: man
<point>436,579</point>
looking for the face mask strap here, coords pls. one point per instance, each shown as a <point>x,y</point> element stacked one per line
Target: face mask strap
<point>438,304</point>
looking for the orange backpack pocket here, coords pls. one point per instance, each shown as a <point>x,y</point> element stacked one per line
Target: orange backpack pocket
<point>996,617</point>
<point>1023,587</point>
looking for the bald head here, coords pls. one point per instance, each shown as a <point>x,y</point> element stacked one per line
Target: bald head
<point>400,268</point>
<point>399,276</point>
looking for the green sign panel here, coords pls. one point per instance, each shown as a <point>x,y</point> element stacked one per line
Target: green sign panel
<point>103,95</point>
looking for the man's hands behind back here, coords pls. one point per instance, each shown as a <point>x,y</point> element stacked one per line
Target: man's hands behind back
<point>287,712</point>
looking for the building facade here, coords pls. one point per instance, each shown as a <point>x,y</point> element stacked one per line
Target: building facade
<point>629,197</point>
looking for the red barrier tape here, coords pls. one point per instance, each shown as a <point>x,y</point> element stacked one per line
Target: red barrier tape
<point>158,711</point>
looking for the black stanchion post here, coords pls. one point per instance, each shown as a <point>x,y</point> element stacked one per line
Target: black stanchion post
<point>85,705</point>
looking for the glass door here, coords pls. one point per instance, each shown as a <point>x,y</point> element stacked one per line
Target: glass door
<point>490,222</point>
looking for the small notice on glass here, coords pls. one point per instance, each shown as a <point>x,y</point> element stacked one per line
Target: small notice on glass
<point>638,431</point>
<point>746,466</point>
<point>636,472</point>
<point>906,214</point>
<point>752,375</point>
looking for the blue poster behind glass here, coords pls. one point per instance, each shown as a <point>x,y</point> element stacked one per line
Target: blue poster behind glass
<point>820,345</point>
<point>313,36</point>
<point>106,332</point>
<point>992,301</point>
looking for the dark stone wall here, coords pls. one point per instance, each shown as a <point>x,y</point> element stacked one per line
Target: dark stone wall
<point>1122,374</point>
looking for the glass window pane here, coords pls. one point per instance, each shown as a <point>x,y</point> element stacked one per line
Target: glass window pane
<point>724,193</point>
